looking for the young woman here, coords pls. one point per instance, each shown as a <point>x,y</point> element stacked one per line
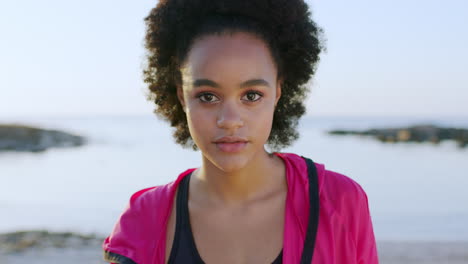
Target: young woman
<point>230,77</point>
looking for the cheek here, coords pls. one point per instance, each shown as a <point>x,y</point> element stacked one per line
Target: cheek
<point>261,123</point>
<point>200,124</point>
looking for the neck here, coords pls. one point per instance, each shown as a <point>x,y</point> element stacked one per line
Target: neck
<point>264,174</point>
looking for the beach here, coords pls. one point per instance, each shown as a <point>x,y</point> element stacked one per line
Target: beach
<point>389,253</point>
<point>41,247</point>
<point>392,252</point>
<point>85,189</point>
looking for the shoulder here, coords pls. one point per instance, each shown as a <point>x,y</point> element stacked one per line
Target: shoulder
<point>130,237</point>
<point>337,186</point>
<point>336,190</point>
<point>145,198</point>
<point>346,206</point>
<point>157,197</point>
<point>138,230</point>
<point>147,204</point>
<point>332,184</point>
<point>344,210</point>
<point>347,200</point>
<point>340,192</point>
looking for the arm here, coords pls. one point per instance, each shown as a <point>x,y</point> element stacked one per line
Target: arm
<point>366,247</point>
<point>128,241</point>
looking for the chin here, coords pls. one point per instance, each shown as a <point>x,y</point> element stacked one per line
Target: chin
<point>228,162</point>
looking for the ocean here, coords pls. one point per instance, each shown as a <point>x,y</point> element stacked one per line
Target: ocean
<point>416,192</point>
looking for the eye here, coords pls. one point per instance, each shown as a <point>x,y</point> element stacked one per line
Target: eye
<point>252,96</point>
<point>207,97</point>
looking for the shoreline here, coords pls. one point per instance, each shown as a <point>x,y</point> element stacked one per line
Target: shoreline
<point>42,246</point>
<point>423,252</point>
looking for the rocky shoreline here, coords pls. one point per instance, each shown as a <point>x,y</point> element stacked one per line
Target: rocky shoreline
<point>22,241</point>
<point>417,133</point>
<point>41,246</point>
<point>22,138</point>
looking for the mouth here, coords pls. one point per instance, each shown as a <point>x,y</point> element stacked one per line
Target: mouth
<point>231,144</point>
<point>231,147</point>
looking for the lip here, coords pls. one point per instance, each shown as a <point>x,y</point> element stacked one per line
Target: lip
<point>231,144</point>
<point>230,139</point>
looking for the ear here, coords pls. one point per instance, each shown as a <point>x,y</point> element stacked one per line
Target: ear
<point>279,83</point>
<point>180,96</point>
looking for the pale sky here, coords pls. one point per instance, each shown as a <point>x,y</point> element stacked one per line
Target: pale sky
<point>386,57</point>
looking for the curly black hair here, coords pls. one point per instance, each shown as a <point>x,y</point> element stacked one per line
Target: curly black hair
<point>294,39</point>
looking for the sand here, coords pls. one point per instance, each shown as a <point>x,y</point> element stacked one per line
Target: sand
<point>423,252</point>
<point>389,253</point>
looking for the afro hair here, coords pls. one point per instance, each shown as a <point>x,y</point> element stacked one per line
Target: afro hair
<point>294,39</point>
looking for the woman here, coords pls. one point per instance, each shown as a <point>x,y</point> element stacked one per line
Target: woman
<point>230,77</point>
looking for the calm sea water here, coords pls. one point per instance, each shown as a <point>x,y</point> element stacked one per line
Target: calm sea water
<point>415,191</point>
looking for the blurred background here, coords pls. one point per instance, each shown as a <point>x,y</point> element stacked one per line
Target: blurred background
<point>75,66</point>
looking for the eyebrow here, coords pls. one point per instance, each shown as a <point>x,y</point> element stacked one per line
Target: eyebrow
<point>252,82</point>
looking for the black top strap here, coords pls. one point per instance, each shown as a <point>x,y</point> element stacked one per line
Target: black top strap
<point>309,242</point>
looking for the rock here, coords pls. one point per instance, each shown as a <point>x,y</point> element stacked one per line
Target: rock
<point>20,241</point>
<point>15,137</point>
<point>418,133</point>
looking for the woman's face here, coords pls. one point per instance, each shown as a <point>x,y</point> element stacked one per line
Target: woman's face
<point>229,92</point>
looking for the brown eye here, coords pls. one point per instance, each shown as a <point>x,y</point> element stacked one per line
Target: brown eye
<point>207,97</point>
<point>252,96</point>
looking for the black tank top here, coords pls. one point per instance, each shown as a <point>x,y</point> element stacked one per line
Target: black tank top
<point>183,249</point>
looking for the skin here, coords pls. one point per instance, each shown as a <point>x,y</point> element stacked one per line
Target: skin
<point>230,88</point>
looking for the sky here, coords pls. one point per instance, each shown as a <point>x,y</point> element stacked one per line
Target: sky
<point>383,58</point>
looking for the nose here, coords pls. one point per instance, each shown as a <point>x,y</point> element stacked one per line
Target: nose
<point>229,116</point>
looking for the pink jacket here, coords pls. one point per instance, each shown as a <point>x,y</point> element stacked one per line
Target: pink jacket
<point>344,235</point>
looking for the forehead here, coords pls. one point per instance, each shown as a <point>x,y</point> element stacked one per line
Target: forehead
<point>241,55</point>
